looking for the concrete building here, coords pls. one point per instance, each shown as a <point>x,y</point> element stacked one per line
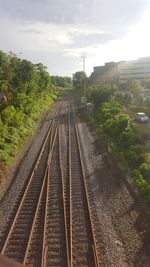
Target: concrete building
<point>135,70</point>
<point>121,72</point>
<point>106,73</point>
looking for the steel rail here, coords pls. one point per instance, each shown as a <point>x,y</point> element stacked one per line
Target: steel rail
<point>27,188</point>
<point>24,195</point>
<point>68,181</point>
<point>80,232</point>
<point>26,261</point>
<point>81,241</point>
<point>46,247</point>
<point>94,245</point>
<point>64,197</point>
<point>70,191</point>
<point>65,162</point>
<point>42,194</point>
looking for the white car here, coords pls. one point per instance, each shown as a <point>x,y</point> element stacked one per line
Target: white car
<point>141,117</point>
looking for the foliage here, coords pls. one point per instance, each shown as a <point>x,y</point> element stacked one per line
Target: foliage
<point>101,93</point>
<point>79,80</point>
<point>134,87</point>
<point>118,128</point>
<point>122,136</point>
<point>146,83</point>
<point>134,91</point>
<point>145,170</point>
<point>60,81</point>
<point>29,90</point>
<point>142,176</point>
<point>115,123</point>
<point>108,110</point>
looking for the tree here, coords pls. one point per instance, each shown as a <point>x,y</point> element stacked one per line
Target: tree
<point>147,83</point>
<point>101,93</point>
<point>60,81</point>
<point>79,80</point>
<point>28,90</point>
<point>135,89</point>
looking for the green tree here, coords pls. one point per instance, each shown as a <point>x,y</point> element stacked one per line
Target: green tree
<point>146,83</point>
<point>30,91</point>
<point>64,82</point>
<point>79,80</point>
<point>102,93</point>
<point>135,89</point>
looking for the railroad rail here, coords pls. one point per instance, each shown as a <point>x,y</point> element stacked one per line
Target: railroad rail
<point>55,237</point>
<point>81,236</point>
<point>19,236</point>
<point>92,215</point>
<point>82,243</point>
<point>64,166</point>
<point>55,224</point>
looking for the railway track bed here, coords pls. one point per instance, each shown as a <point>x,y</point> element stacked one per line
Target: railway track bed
<point>52,224</point>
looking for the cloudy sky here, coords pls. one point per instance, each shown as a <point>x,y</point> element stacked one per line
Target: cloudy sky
<point>58,32</point>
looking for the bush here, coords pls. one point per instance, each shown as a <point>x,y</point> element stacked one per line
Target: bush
<point>143,185</point>
<point>16,125</point>
<point>29,91</point>
<point>102,93</point>
<point>122,136</point>
<point>145,170</point>
<point>117,126</point>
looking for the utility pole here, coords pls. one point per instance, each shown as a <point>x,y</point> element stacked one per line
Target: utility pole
<point>83,57</point>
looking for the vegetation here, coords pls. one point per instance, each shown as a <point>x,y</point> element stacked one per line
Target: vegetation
<point>60,81</point>
<point>29,91</point>
<point>120,135</point>
<point>101,93</point>
<point>134,89</point>
<point>79,81</point>
<point>124,138</point>
<point>142,176</point>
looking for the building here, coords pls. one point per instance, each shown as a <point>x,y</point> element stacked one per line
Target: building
<point>121,72</point>
<point>106,73</point>
<point>135,70</point>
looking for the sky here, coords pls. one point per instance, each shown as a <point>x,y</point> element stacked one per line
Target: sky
<point>58,33</point>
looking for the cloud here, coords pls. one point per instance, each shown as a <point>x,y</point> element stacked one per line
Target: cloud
<point>57,32</point>
<point>31,30</point>
<point>100,12</point>
<point>65,36</point>
<point>68,36</point>
<point>85,40</point>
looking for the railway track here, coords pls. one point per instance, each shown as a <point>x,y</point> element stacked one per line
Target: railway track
<point>55,221</point>
<point>64,165</point>
<point>92,214</point>
<point>82,252</point>
<point>32,205</point>
<point>55,238</point>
